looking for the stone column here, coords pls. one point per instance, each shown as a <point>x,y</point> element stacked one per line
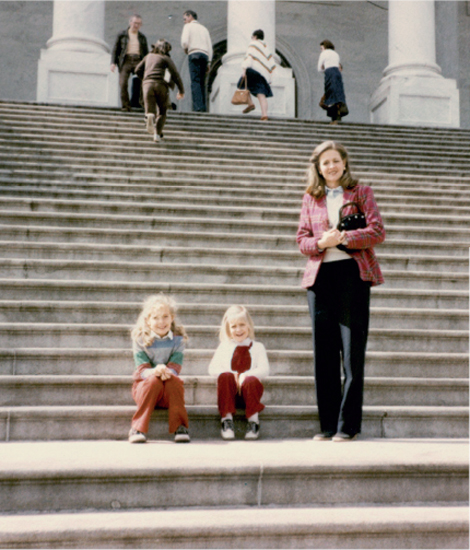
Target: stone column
<point>413,91</point>
<point>75,67</point>
<point>242,19</point>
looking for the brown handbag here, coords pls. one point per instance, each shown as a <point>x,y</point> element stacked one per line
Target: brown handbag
<point>241,95</point>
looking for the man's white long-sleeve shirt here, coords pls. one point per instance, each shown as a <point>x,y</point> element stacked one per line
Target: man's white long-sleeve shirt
<point>196,39</point>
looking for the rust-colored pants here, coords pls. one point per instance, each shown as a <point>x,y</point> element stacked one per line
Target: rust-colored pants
<point>228,398</point>
<point>152,393</point>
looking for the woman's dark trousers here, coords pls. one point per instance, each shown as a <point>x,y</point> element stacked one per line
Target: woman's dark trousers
<point>339,307</point>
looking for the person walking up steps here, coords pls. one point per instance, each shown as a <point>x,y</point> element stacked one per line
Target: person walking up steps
<point>196,43</point>
<point>258,67</point>
<point>130,47</point>
<point>158,346</point>
<point>239,363</point>
<point>156,88</point>
<point>333,100</point>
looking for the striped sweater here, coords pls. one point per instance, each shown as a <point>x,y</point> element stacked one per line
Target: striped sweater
<point>168,351</point>
<point>260,59</point>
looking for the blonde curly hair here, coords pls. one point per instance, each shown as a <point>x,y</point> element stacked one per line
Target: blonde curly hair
<point>141,331</point>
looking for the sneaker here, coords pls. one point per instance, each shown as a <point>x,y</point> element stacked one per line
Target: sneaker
<point>156,137</point>
<point>252,431</point>
<point>227,430</point>
<point>150,123</point>
<point>136,437</point>
<point>324,436</point>
<point>340,436</point>
<point>182,435</point>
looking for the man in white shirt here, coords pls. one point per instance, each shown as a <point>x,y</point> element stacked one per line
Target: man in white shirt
<point>196,42</point>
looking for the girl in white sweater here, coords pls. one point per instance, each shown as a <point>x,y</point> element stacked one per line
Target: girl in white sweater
<point>239,364</point>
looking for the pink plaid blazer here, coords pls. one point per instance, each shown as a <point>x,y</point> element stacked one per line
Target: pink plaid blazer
<point>314,221</point>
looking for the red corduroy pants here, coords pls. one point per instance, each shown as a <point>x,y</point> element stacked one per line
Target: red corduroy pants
<point>228,398</point>
<point>152,393</point>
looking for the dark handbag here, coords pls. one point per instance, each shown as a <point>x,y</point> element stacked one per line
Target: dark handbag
<point>343,109</point>
<point>322,103</point>
<point>351,222</point>
<point>241,95</point>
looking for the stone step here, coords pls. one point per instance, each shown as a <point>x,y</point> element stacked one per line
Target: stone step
<point>362,157</point>
<point>24,423</point>
<point>211,313</point>
<point>193,191</point>
<point>129,202</point>
<point>217,274</point>
<point>105,475</point>
<point>418,240</point>
<point>229,127</point>
<point>63,290</point>
<point>382,182</point>
<point>166,165</point>
<point>223,153</point>
<point>216,195</point>
<point>203,210</point>
<point>389,526</point>
<point>251,139</point>
<point>187,138</point>
<point>111,390</point>
<point>51,335</point>
<point>239,254</point>
<point>242,223</point>
<point>111,124</point>
<point>100,361</point>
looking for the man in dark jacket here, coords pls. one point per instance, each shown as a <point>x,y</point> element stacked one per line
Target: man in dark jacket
<point>130,48</point>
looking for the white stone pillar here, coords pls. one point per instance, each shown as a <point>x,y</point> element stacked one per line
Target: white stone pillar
<point>413,91</point>
<point>244,17</point>
<point>75,67</point>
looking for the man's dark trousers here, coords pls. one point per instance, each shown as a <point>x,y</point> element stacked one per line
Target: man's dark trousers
<point>197,71</point>
<point>130,63</point>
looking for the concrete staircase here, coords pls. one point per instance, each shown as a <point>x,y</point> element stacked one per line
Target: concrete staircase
<point>94,217</point>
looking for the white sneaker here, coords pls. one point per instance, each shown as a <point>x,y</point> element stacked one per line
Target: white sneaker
<point>252,430</point>
<point>156,137</point>
<point>136,436</point>
<point>227,429</point>
<point>150,123</point>
<point>182,435</point>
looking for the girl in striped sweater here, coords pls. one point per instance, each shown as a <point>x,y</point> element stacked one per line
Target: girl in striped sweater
<point>158,346</point>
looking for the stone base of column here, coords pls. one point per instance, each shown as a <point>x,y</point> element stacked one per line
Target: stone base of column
<point>282,104</point>
<point>416,101</point>
<point>77,78</point>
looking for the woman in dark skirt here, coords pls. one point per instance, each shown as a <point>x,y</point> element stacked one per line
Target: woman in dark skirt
<point>258,66</point>
<point>334,100</point>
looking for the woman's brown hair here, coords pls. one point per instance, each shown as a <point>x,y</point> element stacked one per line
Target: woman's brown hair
<point>315,181</point>
<point>327,44</point>
<point>162,47</point>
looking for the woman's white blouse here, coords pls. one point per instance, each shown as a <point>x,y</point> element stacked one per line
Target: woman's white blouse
<point>328,58</point>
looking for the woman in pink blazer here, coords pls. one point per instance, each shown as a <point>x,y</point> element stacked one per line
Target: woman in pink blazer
<point>338,285</point>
